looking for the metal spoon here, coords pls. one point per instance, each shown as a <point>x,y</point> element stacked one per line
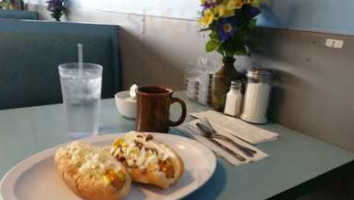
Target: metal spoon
<point>213,134</point>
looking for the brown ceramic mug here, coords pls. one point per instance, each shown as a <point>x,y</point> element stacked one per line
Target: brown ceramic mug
<point>153,109</point>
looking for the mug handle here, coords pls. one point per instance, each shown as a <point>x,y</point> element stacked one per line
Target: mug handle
<point>184,111</point>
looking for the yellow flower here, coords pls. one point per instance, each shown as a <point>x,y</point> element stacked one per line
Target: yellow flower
<point>202,2</point>
<point>207,18</point>
<point>222,11</point>
<point>234,4</point>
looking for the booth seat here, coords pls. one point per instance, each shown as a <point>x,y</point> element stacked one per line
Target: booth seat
<point>32,50</point>
<point>18,14</point>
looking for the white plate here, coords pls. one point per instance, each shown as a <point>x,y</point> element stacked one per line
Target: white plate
<point>36,178</point>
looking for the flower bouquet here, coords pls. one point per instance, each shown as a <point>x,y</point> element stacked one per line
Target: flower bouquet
<point>5,5</point>
<point>230,24</point>
<point>57,8</point>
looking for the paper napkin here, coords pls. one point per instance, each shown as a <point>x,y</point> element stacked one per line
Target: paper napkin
<point>192,130</point>
<point>236,127</point>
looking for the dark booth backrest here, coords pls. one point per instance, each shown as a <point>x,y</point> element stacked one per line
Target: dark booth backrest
<point>18,14</point>
<point>30,53</point>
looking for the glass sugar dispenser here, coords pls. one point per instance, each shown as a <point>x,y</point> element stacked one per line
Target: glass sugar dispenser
<point>234,99</point>
<point>257,96</point>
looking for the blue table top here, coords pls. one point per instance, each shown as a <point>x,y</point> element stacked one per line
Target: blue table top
<point>294,158</point>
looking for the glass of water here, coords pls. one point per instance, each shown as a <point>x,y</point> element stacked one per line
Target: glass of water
<point>81,92</point>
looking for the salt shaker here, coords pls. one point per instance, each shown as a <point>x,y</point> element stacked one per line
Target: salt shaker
<point>257,96</point>
<point>234,98</point>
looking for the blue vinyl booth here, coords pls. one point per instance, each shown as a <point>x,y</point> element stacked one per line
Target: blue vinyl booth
<point>30,52</point>
<point>18,14</point>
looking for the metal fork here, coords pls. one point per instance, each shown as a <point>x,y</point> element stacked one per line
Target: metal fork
<point>212,133</point>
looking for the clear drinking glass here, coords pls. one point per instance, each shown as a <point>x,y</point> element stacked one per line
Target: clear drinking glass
<point>81,97</point>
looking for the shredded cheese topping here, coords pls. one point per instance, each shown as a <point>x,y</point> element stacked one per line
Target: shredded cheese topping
<point>138,152</point>
<point>91,161</point>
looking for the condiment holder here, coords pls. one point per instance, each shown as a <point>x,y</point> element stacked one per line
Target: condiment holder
<point>126,103</point>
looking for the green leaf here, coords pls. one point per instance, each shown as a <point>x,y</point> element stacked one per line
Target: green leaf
<point>220,51</point>
<point>214,36</point>
<point>252,24</point>
<point>241,51</point>
<point>212,45</point>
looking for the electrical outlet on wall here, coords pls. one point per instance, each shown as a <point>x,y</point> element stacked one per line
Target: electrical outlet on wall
<point>334,43</point>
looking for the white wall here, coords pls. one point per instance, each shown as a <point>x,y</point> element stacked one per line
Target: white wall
<point>155,49</point>
<point>180,9</point>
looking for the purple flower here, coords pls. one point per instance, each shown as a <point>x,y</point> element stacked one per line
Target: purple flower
<point>209,5</point>
<point>226,28</point>
<point>55,5</point>
<point>254,11</point>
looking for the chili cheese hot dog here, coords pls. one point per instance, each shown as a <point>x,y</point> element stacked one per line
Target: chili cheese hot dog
<point>148,160</point>
<point>92,173</point>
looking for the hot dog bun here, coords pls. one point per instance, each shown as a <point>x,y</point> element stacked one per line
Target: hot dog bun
<point>147,160</point>
<point>92,173</point>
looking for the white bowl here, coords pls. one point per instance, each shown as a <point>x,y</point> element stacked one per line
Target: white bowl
<point>126,105</point>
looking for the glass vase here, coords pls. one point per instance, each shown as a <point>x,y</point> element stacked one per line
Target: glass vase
<point>222,81</point>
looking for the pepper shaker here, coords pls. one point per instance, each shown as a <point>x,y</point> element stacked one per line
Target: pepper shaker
<point>257,96</point>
